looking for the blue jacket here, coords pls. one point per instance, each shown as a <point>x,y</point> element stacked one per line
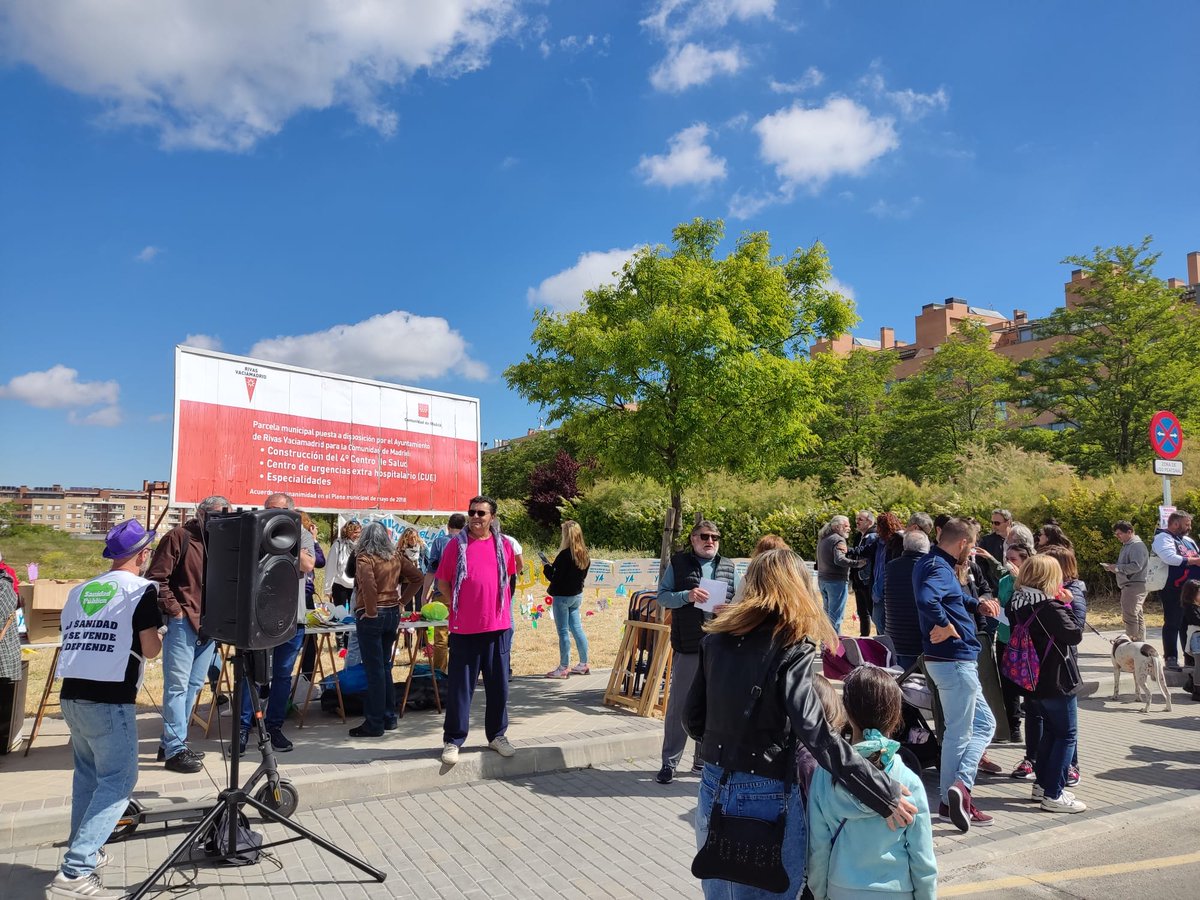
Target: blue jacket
<point>941,600</point>
<point>903,625</point>
<point>868,859</point>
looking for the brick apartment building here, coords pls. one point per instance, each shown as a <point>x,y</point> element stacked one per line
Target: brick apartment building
<point>1015,337</point>
<point>86,510</point>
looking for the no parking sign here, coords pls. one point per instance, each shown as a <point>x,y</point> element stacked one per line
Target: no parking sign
<point>1166,434</point>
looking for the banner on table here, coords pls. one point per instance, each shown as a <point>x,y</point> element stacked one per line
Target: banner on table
<point>246,428</point>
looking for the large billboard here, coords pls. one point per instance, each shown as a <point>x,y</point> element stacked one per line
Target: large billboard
<point>245,428</point>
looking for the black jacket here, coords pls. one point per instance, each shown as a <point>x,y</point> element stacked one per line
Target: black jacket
<point>1058,675</point>
<point>789,711</point>
<point>900,604</point>
<point>566,578</point>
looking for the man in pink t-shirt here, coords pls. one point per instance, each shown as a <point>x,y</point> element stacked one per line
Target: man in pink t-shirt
<point>480,623</point>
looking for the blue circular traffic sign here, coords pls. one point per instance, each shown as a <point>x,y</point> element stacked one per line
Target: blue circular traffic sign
<point>1166,434</point>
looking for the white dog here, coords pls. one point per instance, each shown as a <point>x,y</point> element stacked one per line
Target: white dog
<point>1144,661</point>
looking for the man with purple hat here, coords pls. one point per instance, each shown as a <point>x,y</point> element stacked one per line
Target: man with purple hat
<point>109,628</point>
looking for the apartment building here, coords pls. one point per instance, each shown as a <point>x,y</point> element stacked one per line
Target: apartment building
<point>88,510</point>
<point>1014,336</point>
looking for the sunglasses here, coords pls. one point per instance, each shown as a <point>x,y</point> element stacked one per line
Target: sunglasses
<point>997,524</point>
<point>709,537</point>
<point>478,513</point>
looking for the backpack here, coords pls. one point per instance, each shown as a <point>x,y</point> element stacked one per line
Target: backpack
<point>1021,664</point>
<point>249,842</point>
<point>1156,573</point>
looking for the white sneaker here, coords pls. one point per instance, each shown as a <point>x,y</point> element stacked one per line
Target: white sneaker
<point>1064,804</point>
<point>88,886</point>
<point>1038,793</point>
<point>501,745</point>
<point>102,859</point>
<point>449,754</point>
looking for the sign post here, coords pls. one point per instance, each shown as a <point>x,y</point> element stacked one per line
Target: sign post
<point>1166,437</point>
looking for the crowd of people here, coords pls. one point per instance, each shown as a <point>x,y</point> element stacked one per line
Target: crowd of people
<point>774,742</point>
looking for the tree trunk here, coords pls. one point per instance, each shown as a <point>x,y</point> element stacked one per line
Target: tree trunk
<point>677,506</point>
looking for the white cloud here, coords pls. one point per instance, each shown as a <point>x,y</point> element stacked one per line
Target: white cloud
<point>747,204</point>
<point>203,341</point>
<point>159,417</point>
<point>689,161</point>
<point>148,253</point>
<point>223,74</point>
<point>694,64</point>
<point>912,105</point>
<point>106,417</point>
<point>839,286</point>
<point>564,292</point>
<point>882,209</point>
<point>812,78</point>
<point>807,146</point>
<point>59,387</point>
<point>677,20</point>
<point>397,344</point>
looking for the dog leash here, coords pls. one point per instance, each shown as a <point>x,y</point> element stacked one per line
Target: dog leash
<point>1093,627</point>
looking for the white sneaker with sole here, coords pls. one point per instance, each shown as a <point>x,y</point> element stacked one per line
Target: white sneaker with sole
<point>87,886</point>
<point>449,754</point>
<point>102,859</point>
<point>1064,804</point>
<point>1038,793</point>
<point>501,745</point>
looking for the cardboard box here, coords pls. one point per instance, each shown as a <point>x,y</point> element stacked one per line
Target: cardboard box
<point>50,593</point>
<point>43,625</point>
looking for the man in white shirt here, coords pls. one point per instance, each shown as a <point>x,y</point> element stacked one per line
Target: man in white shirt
<point>1174,547</point>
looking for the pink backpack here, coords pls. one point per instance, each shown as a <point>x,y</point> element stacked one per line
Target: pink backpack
<point>1021,663</point>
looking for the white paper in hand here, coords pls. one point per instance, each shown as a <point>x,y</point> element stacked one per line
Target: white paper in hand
<point>716,594</point>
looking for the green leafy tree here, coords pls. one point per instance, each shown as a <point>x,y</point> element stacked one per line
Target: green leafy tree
<point>506,471</point>
<point>959,398</point>
<point>689,364</point>
<point>851,421</point>
<point>1129,348</point>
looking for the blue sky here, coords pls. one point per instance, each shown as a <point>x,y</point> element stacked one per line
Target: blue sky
<point>254,175</point>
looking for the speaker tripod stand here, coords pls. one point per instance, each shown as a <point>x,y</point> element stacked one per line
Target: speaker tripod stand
<point>233,798</point>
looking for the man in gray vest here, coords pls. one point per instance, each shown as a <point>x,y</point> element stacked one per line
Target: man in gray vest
<point>680,591</point>
<point>1130,569</point>
<point>109,628</point>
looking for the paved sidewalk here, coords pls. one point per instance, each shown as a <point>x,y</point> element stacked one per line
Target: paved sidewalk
<point>554,724</point>
<point>610,831</point>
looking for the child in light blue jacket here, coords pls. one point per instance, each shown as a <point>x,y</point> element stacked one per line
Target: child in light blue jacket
<point>852,854</point>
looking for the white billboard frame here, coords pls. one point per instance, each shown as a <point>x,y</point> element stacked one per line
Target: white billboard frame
<point>181,349</point>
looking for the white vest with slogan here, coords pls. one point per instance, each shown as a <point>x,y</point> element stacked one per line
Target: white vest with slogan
<point>97,627</point>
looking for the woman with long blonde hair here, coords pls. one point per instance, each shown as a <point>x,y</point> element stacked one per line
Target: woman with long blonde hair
<point>566,576</point>
<point>748,736</point>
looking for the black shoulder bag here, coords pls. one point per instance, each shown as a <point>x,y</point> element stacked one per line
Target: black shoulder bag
<point>739,848</point>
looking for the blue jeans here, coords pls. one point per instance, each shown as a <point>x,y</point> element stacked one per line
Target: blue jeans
<point>376,637</point>
<point>879,617</point>
<point>283,660</point>
<point>834,594</point>
<point>185,660</point>
<point>1173,630</point>
<point>569,622</point>
<point>1060,719</point>
<point>104,741</point>
<point>968,719</point>
<point>757,798</point>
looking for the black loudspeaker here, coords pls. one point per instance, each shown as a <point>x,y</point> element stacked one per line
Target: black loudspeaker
<point>251,578</point>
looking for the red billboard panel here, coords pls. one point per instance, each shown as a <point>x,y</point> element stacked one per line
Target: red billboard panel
<point>246,428</point>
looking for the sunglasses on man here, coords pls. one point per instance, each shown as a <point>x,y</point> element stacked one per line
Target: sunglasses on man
<point>709,537</point>
<point>478,513</point>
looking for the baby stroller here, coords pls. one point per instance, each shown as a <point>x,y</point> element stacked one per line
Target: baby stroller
<point>919,747</point>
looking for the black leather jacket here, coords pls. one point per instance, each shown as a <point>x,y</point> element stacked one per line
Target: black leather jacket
<point>789,710</point>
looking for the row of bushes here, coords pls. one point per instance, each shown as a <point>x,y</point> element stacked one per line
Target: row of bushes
<point>628,514</point>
